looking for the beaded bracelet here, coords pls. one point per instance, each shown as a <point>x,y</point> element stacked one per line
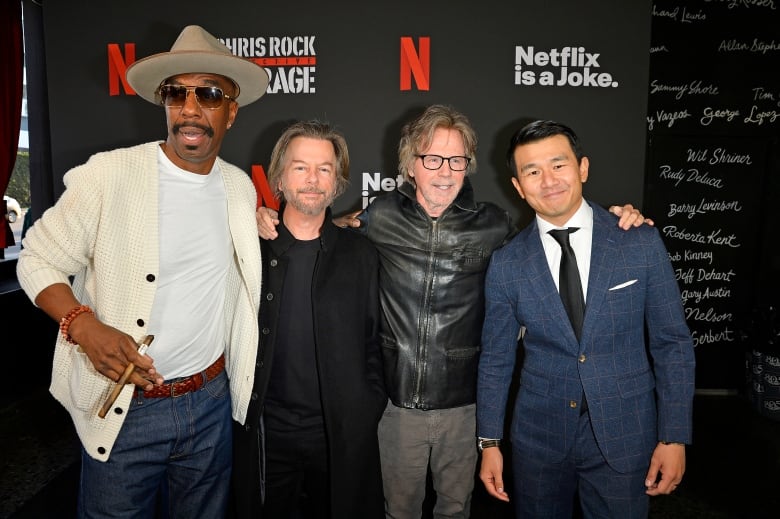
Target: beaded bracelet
<point>68,318</point>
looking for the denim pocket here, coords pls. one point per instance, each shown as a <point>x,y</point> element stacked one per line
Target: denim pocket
<point>218,386</point>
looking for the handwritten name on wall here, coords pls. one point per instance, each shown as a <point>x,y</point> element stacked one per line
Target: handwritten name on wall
<point>711,66</point>
<point>713,123</point>
<point>702,192</point>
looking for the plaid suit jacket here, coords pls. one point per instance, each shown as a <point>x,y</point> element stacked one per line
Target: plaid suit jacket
<point>635,361</point>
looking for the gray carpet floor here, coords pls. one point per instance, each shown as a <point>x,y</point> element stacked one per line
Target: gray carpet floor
<point>733,467</point>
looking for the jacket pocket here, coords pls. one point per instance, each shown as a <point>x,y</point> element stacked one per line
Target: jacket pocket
<point>84,389</point>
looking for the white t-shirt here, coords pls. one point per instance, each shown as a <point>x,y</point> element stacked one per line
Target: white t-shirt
<point>195,252</point>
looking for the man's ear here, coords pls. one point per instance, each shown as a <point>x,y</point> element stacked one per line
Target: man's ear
<point>232,114</point>
<point>518,187</point>
<point>584,165</point>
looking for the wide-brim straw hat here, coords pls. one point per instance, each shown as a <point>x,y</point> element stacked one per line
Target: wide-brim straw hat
<point>197,51</point>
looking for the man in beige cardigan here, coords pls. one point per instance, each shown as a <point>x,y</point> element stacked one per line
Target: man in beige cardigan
<point>163,244</point>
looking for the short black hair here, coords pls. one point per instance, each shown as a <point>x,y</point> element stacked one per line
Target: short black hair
<point>538,130</point>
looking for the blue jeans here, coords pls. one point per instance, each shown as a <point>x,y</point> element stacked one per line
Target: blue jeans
<point>172,455</point>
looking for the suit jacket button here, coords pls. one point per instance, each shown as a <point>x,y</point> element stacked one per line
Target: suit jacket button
<point>573,404</point>
<point>582,358</point>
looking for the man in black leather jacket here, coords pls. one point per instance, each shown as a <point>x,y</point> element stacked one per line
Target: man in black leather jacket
<point>434,244</point>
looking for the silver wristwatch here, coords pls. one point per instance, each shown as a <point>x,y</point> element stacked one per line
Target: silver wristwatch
<point>484,443</point>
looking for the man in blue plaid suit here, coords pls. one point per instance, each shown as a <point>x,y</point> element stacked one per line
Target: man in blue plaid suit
<point>605,416</point>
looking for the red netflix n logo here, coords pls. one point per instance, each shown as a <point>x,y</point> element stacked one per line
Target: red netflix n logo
<point>416,64</point>
<point>117,66</point>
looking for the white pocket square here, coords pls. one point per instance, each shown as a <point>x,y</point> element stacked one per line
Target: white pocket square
<point>624,285</point>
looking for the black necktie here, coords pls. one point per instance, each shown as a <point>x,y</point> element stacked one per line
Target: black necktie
<point>569,284</point>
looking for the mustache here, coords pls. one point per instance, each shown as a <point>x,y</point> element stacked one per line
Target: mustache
<point>314,190</point>
<point>208,130</point>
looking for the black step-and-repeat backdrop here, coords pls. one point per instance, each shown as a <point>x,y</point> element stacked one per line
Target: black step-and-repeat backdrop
<point>368,67</point>
<point>712,174</point>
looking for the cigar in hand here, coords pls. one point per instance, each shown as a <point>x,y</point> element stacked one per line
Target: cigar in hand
<point>142,347</point>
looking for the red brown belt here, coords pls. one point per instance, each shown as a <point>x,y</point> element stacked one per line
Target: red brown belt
<point>185,385</point>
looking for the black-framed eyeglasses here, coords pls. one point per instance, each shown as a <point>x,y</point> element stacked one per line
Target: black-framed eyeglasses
<point>175,96</point>
<point>456,162</point>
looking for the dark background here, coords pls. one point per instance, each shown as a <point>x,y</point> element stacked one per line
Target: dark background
<point>714,92</point>
<point>357,45</point>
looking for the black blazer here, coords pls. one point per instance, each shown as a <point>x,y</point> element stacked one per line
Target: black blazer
<point>346,322</point>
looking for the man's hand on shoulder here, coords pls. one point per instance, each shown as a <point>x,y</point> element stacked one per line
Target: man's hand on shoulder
<point>629,216</point>
<point>267,220</point>
<point>348,220</point>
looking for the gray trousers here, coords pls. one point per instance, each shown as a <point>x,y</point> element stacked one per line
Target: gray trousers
<point>410,440</point>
